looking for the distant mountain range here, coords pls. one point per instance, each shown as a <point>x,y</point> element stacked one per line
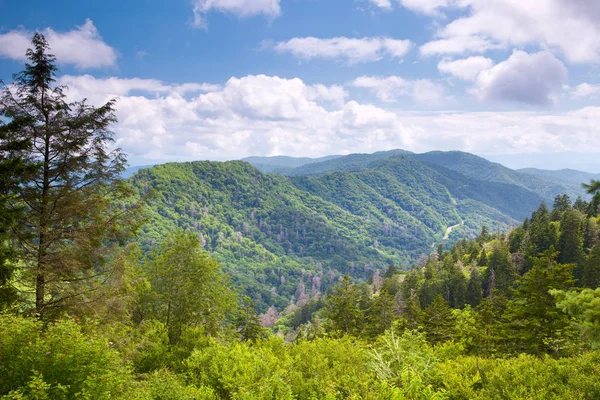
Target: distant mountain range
<point>339,214</point>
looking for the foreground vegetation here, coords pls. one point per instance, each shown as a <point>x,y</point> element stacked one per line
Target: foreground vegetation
<point>89,314</point>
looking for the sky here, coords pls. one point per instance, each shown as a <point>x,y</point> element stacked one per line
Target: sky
<point>226,79</point>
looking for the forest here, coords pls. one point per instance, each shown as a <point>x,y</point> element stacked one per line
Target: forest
<point>105,295</point>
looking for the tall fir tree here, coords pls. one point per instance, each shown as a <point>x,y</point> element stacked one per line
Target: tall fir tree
<point>438,321</point>
<point>343,308</point>
<point>474,293</point>
<point>591,269</point>
<point>75,203</point>
<point>533,323</point>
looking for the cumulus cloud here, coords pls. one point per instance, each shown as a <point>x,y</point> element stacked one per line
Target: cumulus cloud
<point>525,78</point>
<point>384,4</point>
<point>571,27</point>
<point>265,115</point>
<point>350,50</point>
<point>586,90</point>
<point>239,8</point>
<point>98,90</point>
<point>428,7</point>
<point>467,69</point>
<point>82,47</point>
<point>391,88</point>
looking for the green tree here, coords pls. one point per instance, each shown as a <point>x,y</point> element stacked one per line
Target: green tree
<point>343,308</point>
<point>474,293</point>
<point>593,188</point>
<point>247,322</point>
<point>188,286</point>
<point>438,321</point>
<point>585,307</point>
<point>532,319</point>
<point>591,269</point>
<point>570,242</point>
<point>70,189</point>
<point>500,274</point>
<point>382,313</point>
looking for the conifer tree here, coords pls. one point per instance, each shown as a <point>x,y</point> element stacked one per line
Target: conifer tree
<point>70,189</point>
<point>474,288</point>
<point>591,269</point>
<point>343,308</point>
<point>500,273</point>
<point>570,242</point>
<point>534,323</point>
<point>438,321</point>
<point>593,188</point>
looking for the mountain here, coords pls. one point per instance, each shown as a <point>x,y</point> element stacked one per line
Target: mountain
<point>129,172</point>
<point>479,168</point>
<point>569,175</point>
<point>589,162</point>
<point>283,164</point>
<point>542,183</point>
<point>353,214</point>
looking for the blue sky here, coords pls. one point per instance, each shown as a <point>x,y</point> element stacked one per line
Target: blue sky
<point>223,79</point>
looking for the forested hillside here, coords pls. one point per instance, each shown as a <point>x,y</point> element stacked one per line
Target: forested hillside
<point>371,210</point>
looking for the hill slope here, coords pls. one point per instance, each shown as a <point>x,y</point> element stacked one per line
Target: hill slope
<point>271,230</point>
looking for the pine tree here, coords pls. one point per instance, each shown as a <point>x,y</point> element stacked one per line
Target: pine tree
<point>591,269</point>
<point>533,322</point>
<point>438,321</point>
<point>381,314</point>
<point>70,187</point>
<point>500,274</point>
<point>343,308</point>
<point>247,322</point>
<point>593,188</point>
<point>474,288</point>
<point>570,242</point>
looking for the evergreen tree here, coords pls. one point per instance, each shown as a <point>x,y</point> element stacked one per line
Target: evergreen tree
<point>593,188</point>
<point>70,187</point>
<point>591,269</point>
<point>343,308</point>
<point>482,261</point>
<point>500,274</point>
<point>391,271</point>
<point>532,320</point>
<point>457,286</point>
<point>411,311</point>
<point>474,293</point>
<point>381,314</point>
<point>247,322</point>
<point>438,321</point>
<point>562,203</point>
<point>570,242</point>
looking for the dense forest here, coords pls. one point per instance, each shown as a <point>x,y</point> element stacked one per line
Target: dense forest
<point>347,215</point>
<point>115,289</point>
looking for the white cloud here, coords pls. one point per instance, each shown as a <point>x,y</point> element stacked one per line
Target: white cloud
<point>386,89</point>
<point>525,78</point>
<point>239,8</point>
<point>586,90</point>
<point>428,7</point>
<point>346,49</point>
<point>99,90</point>
<point>82,47</point>
<point>571,27</point>
<point>391,88</point>
<point>467,69</point>
<point>385,4</point>
<point>263,115</point>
